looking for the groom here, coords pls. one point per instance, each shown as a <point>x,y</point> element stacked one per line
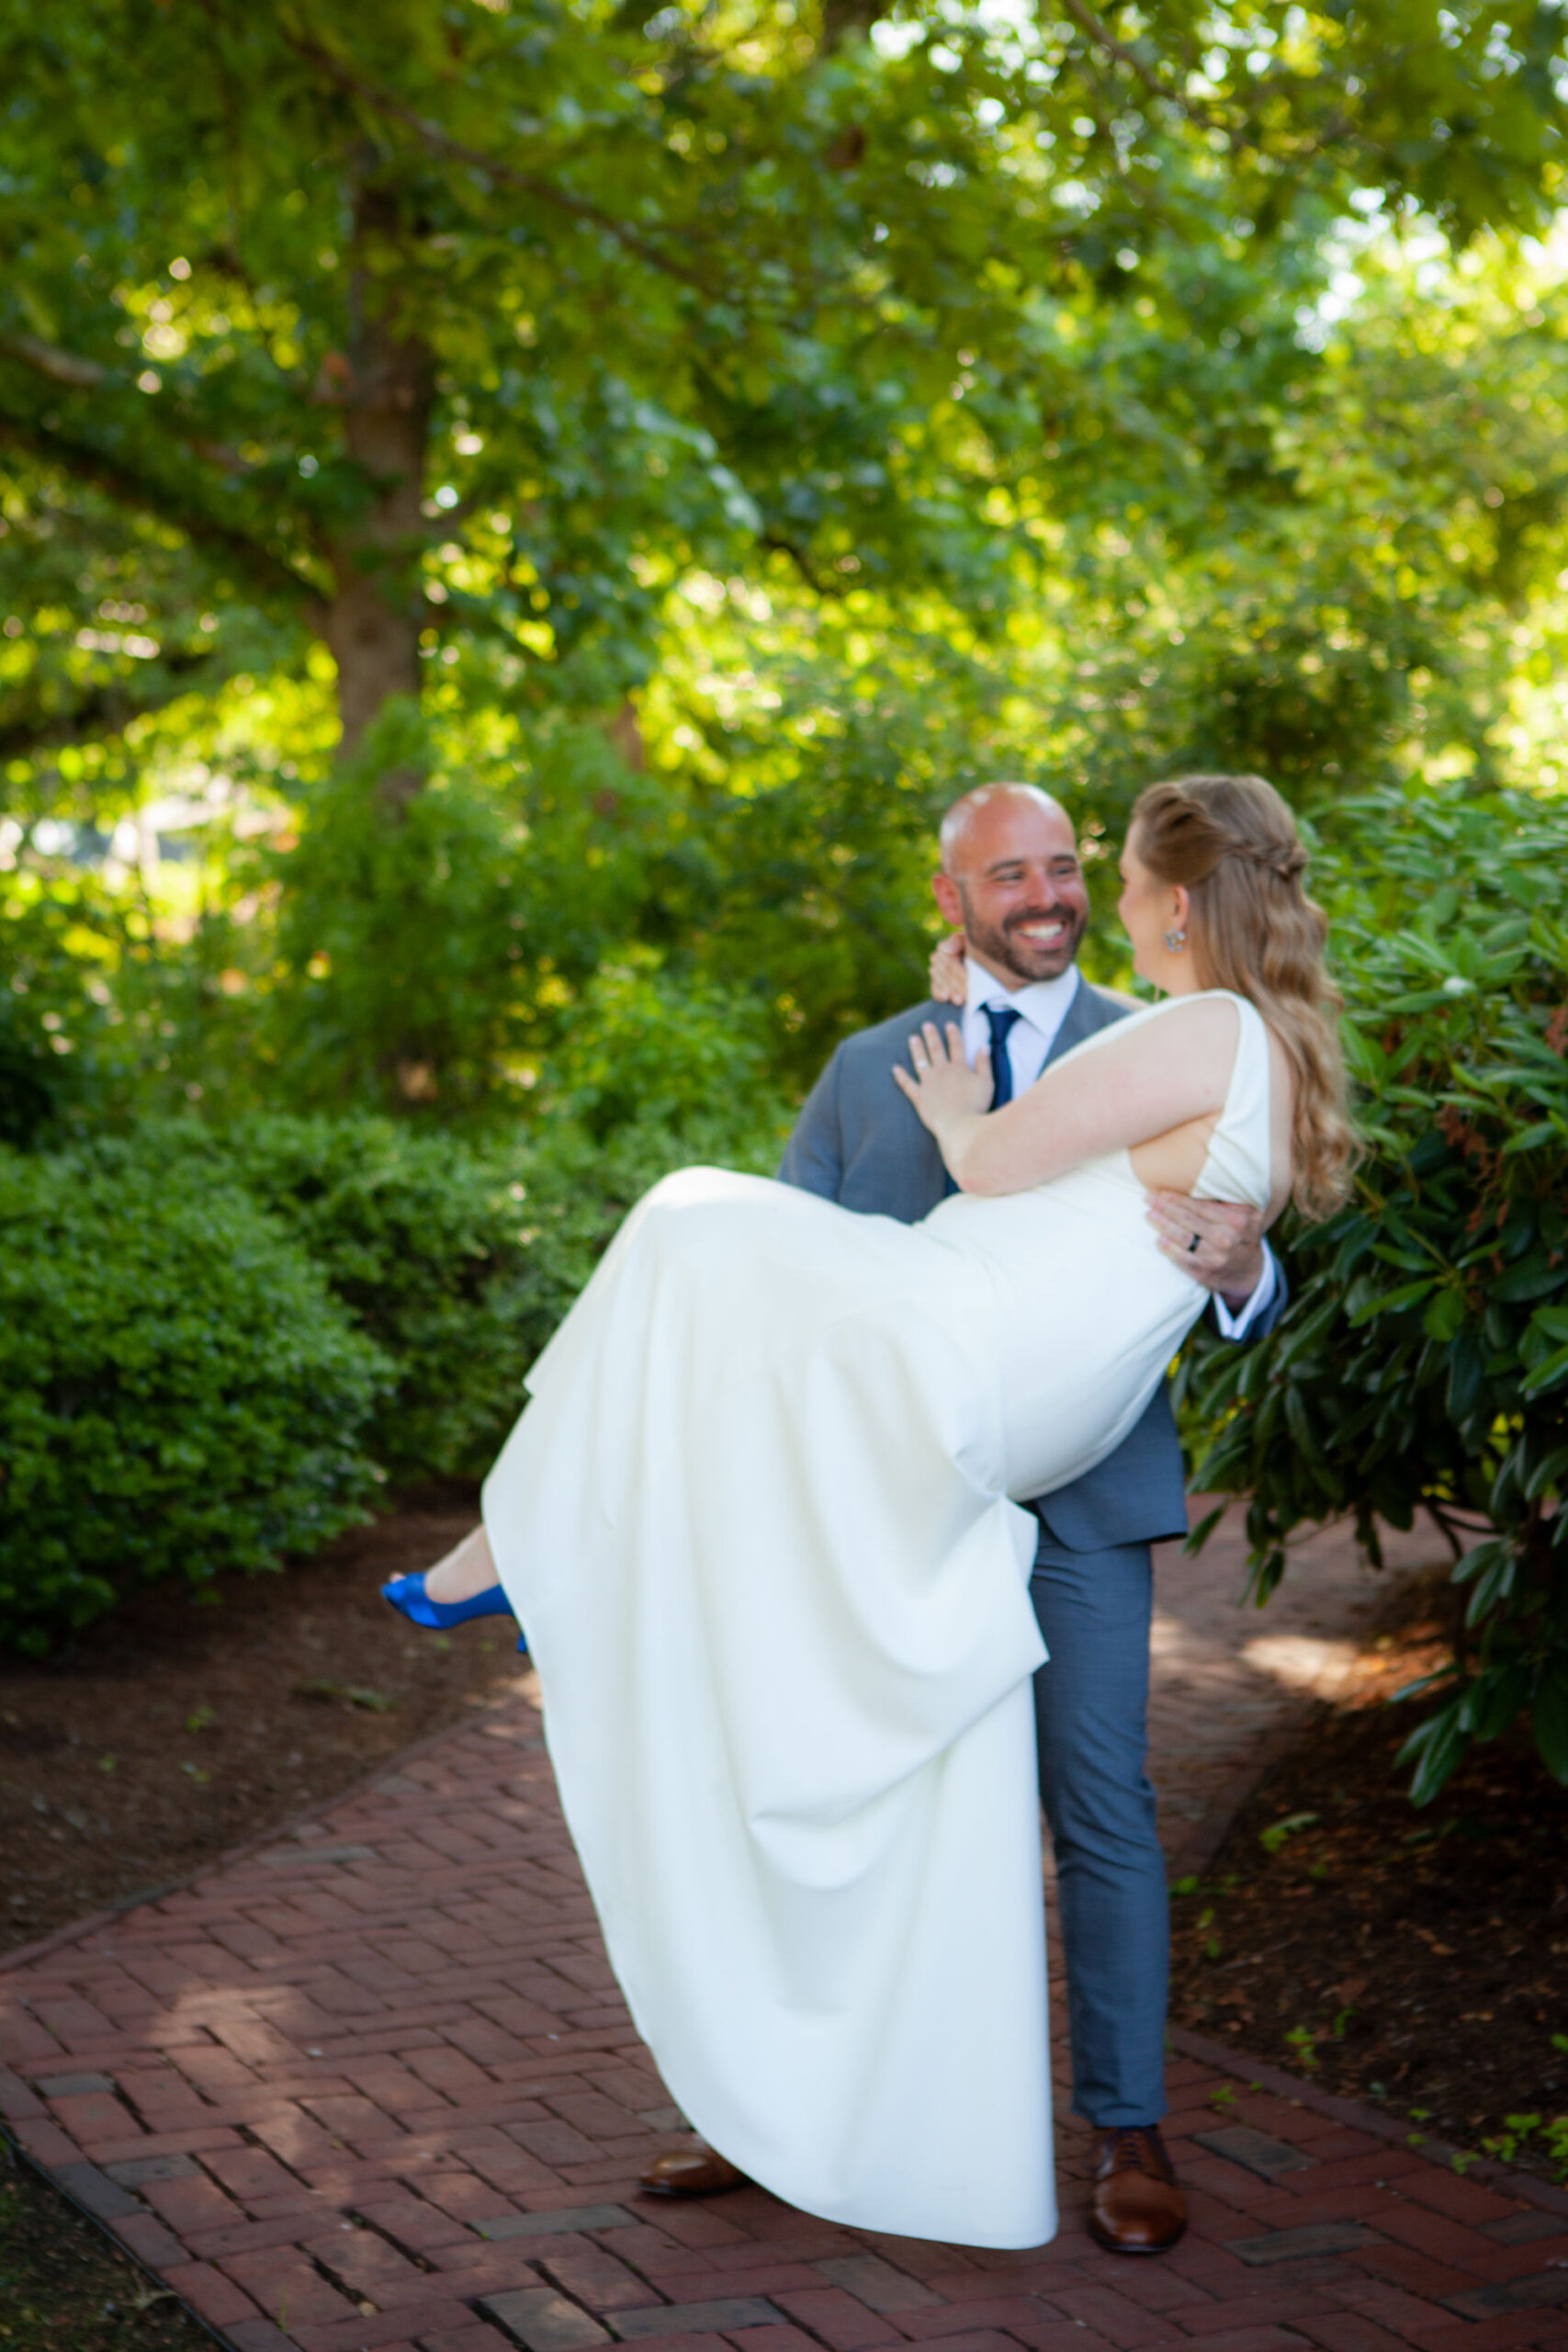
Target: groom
<point>1011,881</point>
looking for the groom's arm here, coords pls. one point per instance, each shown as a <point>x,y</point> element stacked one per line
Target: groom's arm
<point>814,1156</point>
<point>1231,1261</point>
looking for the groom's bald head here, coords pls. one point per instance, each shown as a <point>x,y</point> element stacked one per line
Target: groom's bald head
<point>968,818</point>
<point>1011,881</point>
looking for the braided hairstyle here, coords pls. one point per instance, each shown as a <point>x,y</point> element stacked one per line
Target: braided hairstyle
<point>1231,843</point>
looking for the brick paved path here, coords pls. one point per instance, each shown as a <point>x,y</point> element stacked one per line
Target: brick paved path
<point>371,2085</point>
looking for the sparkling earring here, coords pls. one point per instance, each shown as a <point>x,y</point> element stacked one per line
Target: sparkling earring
<point>1176,941</point>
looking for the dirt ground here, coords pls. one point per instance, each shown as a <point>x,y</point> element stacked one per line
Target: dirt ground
<point>65,2287</point>
<point>1416,1959</point>
<point>169,1733</point>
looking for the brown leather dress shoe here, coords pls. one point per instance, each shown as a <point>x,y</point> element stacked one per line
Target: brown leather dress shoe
<point>692,2169</point>
<point>1139,2205</point>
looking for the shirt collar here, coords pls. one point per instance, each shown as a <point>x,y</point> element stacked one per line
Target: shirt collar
<point>1043,1003</point>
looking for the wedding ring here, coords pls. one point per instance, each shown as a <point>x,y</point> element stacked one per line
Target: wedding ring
<point>1193,1243</point>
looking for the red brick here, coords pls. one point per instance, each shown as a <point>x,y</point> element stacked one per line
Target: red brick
<point>1447,2192</point>
<point>940,2320</point>
<point>690,2225</point>
<point>258,2335</point>
<point>47,2143</point>
<point>91,2117</point>
<point>262,2236</point>
<point>1254,2339</point>
<point>477,2336</point>
<point>364,2265</point>
<point>838,2319</point>
<point>1509,2332</point>
<point>591,2277</point>
<point>1116,2316</point>
<point>413,2221</point>
<point>478,2268</point>
<point>1418,2273</point>
<point>1442,2235</point>
<point>287,2288</point>
<point>16,2102</point>
<point>214,2298</point>
<point>192,2206</point>
<point>1351,2332</point>
<point>25,2043</point>
<point>388,2331</point>
<point>1061,2336</point>
<point>148,2240</point>
<point>772,2339</point>
<point>982,2339</point>
<point>250,2174</point>
<point>1208,2321</point>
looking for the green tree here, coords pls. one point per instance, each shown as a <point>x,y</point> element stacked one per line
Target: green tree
<point>465,321</point>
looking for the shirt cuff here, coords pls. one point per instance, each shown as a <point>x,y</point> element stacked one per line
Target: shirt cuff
<point>1235,1325</point>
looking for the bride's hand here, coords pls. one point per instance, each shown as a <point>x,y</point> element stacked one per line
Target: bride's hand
<point>945,1091</point>
<point>950,979</point>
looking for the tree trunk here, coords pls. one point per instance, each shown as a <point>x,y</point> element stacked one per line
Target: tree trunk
<point>378,610</point>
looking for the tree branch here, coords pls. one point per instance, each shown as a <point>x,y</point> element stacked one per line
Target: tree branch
<point>439,144</point>
<point>100,712</point>
<point>265,571</point>
<point>1103,38</point>
<point>778,545</point>
<point>59,367</point>
<point>87,375</point>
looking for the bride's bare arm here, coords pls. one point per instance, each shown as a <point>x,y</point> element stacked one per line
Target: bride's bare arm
<point>1124,1091</point>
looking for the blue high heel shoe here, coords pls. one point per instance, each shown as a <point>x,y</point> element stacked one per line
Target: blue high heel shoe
<point>407,1594</point>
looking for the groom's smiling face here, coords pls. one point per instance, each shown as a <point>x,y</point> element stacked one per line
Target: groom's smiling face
<point>1012,878</point>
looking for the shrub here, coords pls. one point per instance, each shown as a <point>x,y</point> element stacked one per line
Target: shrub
<point>63,1055</point>
<point>1423,1363</point>
<point>456,1259</point>
<point>178,1391</point>
<point>420,1237</point>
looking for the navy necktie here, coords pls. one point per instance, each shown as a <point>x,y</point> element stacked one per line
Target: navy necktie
<point>1003,1018</point>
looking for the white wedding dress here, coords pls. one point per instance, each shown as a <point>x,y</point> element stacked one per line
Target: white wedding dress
<point>756,1521</point>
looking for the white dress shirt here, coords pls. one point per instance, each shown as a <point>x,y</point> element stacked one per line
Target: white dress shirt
<point>1042,1006</point>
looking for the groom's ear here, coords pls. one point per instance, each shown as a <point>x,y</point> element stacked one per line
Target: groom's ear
<point>944,889</point>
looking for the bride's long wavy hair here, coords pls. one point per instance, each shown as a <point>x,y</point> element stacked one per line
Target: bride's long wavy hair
<point>1231,843</point>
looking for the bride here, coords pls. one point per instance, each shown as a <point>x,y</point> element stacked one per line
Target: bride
<point>759,1521</point>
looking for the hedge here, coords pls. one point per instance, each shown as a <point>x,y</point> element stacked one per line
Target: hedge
<point>179,1391</point>
<point>1423,1363</point>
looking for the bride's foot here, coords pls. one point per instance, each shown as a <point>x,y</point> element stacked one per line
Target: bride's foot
<point>461,1586</point>
<point>466,1570</point>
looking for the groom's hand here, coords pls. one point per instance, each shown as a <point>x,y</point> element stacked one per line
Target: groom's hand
<point>1229,1255</point>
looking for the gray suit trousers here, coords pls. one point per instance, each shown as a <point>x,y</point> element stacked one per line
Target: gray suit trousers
<point>1090,1709</point>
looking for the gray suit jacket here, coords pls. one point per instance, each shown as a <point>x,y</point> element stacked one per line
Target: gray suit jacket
<point>858,1142</point>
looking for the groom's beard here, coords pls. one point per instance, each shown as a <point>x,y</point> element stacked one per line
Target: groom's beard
<point>1006,948</point>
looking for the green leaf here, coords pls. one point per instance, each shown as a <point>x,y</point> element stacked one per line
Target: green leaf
<point>1200,1534</point>
<point>1392,1302</point>
<point>1445,1315</point>
<point>1533,1279</point>
<point>1479,1559</point>
<point>1435,1750</point>
<point>1548,1718</point>
<point>1542,1376</point>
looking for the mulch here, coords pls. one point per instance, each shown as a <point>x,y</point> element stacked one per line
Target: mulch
<point>169,1733</point>
<point>1416,1959</point>
<point>65,2287</point>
